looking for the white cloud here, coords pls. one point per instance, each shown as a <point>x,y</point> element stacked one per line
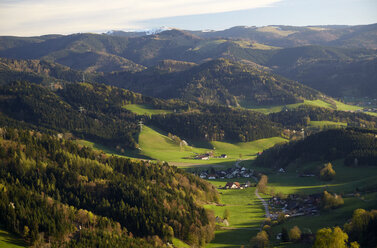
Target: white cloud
<point>35,17</point>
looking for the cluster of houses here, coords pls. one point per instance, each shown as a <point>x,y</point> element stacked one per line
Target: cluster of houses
<point>229,173</point>
<point>207,156</point>
<point>295,205</point>
<point>237,185</point>
<point>374,110</point>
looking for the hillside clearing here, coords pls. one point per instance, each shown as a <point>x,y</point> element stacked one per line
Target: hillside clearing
<point>155,144</point>
<point>143,109</point>
<point>316,103</point>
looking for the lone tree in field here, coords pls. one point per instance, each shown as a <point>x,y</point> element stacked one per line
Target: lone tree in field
<point>331,201</point>
<point>295,234</point>
<point>327,172</point>
<point>262,184</point>
<point>260,241</point>
<point>226,214</point>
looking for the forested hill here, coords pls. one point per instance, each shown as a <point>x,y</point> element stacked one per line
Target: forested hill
<point>54,191</point>
<point>219,81</point>
<point>41,107</point>
<point>348,144</point>
<point>98,112</point>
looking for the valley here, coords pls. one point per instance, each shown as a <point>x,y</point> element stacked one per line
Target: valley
<point>246,137</point>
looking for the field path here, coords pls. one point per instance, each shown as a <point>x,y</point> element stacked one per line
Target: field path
<point>265,205</point>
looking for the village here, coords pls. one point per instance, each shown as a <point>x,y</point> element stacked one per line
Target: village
<point>233,172</point>
<point>294,205</point>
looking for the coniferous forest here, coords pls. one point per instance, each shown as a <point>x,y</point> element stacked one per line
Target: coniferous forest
<point>58,192</point>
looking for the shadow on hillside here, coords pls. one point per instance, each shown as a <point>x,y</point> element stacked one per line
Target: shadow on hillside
<point>234,237</point>
<point>11,238</point>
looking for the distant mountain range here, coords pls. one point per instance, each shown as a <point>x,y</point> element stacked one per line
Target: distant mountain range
<point>337,60</point>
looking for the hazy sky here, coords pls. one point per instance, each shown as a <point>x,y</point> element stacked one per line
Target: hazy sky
<point>36,17</point>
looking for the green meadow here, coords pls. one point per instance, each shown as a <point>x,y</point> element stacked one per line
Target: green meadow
<point>346,180</point>
<point>143,109</point>
<point>317,103</point>
<point>8,240</point>
<point>246,215</point>
<point>322,124</point>
<point>157,145</point>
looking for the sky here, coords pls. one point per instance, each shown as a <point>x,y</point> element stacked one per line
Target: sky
<point>39,17</point>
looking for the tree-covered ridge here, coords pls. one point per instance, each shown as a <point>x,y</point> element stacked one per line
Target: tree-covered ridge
<point>219,81</point>
<point>43,108</point>
<point>356,146</point>
<point>147,199</point>
<point>218,123</point>
<point>301,117</point>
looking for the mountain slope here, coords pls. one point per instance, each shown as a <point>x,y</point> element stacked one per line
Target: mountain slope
<point>219,81</point>
<point>70,196</point>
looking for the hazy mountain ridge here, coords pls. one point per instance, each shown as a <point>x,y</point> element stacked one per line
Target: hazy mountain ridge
<point>95,53</point>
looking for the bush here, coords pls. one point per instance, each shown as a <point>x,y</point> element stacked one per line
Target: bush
<point>327,173</point>
<point>330,201</point>
<point>295,234</point>
<point>260,241</point>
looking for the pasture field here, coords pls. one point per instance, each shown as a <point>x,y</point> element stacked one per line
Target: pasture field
<point>157,145</point>
<point>322,124</point>
<point>317,103</point>
<point>8,240</point>
<point>143,109</point>
<point>346,180</point>
<point>154,144</point>
<point>246,215</point>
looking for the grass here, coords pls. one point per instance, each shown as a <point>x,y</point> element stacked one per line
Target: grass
<point>8,240</point>
<point>98,147</point>
<point>317,103</point>
<point>246,215</point>
<point>327,123</point>
<point>208,45</point>
<point>346,180</point>
<point>155,144</point>
<point>254,45</point>
<point>179,243</point>
<point>276,30</point>
<point>248,150</point>
<point>143,109</point>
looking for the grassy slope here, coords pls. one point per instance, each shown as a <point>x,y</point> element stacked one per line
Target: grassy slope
<point>155,144</point>
<point>327,123</point>
<point>142,109</point>
<point>318,103</point>
<point>8,240</point>
<point>346,180</point>
<point>179,243</point>
<point>248,150</point>
<point>246,215</point>
<point>105,149</point>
